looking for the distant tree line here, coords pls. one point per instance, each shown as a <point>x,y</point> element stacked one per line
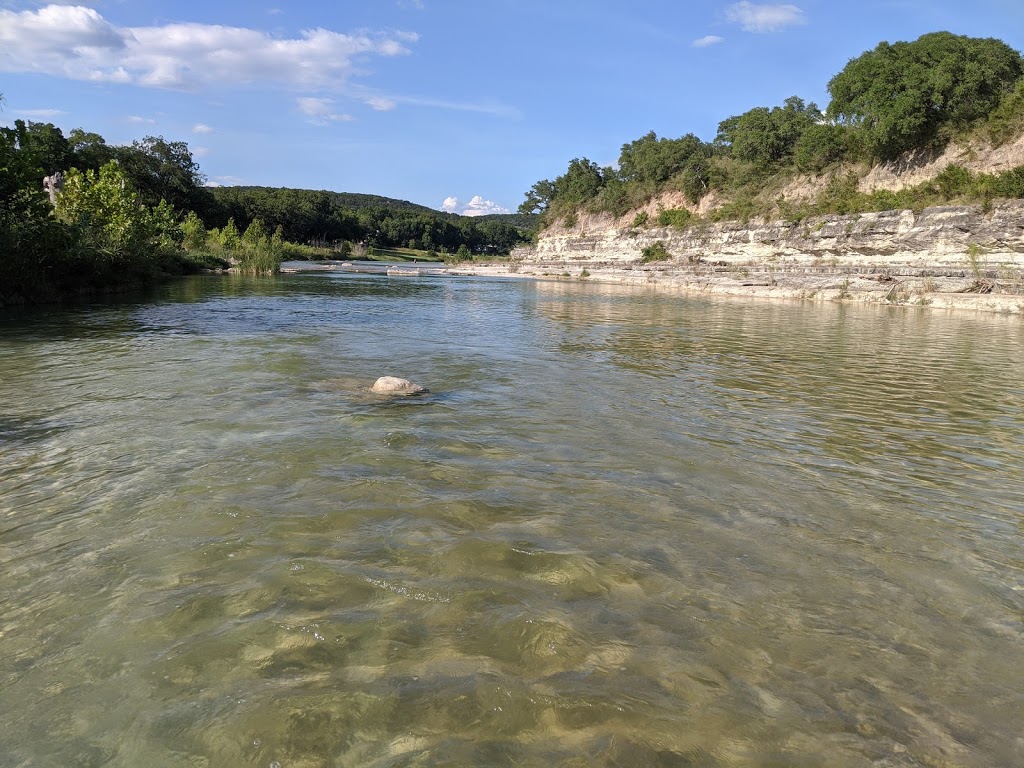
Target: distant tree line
<point>129,214</point>
<point>320,217</point>
<point>890,100</point>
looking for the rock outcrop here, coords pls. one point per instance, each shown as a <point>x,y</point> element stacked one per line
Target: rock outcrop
<point>946,236</point>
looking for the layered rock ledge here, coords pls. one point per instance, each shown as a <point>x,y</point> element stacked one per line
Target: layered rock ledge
<point>949,256</point>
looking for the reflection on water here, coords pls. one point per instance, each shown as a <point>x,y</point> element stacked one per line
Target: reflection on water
<point>626,528</point>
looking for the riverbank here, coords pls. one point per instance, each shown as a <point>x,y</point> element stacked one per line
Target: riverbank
<point>950,257</point>
<point>827,284</point>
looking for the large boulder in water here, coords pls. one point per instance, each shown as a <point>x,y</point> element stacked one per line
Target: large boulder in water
<point>392,385</point>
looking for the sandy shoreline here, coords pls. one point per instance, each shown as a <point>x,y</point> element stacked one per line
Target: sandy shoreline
<point>936,291</point>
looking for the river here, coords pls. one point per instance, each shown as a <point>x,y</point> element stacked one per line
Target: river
<point>625,528</point>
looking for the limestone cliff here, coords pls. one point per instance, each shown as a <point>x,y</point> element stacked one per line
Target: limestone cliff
<point>936,237</point>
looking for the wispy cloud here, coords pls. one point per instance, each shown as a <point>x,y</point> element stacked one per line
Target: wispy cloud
<point>704,42</point>
<point>139,119</point>
<point>40,112</point>
<point>76,42</point>
<point>320,111</point>
<point>765,18</point>
<point>202,128</point>
<point>477,206</point>
<point>485,108</point>
<point>381,104</point>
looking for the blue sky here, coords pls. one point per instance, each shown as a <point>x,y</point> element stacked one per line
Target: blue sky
<point>436,101</point>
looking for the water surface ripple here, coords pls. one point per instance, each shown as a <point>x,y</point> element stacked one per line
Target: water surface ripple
<point>624,529</point>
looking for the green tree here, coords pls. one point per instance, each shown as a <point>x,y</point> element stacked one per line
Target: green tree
<point>230,240</point>
<point>256,233</point>
<point>820,145</point>
<point>539,197</point>
<point>164,170</point>
<point>107,215</point>
<point>89,151</point>
<point>581,182</point>
<point>193,233</point>
<point>46,141</point>
<point>902,95</point>
<point>656,160</point>
<point>767,137</point>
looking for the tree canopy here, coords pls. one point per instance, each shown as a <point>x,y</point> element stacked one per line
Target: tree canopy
<point>901,95</point>
<point>894,98</point>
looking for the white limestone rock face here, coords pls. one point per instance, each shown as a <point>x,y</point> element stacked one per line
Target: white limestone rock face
<point>392,385</point>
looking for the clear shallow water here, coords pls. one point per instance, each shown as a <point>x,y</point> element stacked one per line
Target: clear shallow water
<point>626,528</point>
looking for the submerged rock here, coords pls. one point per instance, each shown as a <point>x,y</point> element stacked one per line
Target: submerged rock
<point>392,385</point>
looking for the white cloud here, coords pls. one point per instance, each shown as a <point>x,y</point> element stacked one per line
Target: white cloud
<point>764,18</point>
<point>202,128</point>
<point>225,181</point>
<point>76,42</point>
<point>319,111</point>
<point>704,42</point>
<point>381,104</point>
<point>141,120</point>
<point>40,112</point>
<point>477,206</point>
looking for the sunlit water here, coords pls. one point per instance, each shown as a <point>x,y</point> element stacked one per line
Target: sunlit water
<point>625,529</point>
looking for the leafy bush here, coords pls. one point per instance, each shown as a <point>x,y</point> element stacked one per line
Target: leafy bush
<point>1007,120</point>
<point>680,218</point>
<point>193,233</point>
<point>655,252</point>
<point>107,216</point>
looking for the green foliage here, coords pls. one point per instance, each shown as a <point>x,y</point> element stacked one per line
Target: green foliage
<point>901,96</point>
<point>680,218</point>
<point>894,98</point>
<point>657,160</point>
<point>640,220</point>
<point>1006,121</point>
<point>655,252</point>
<point>767,137</point>
<point>260,258</point>
<point>538,198</point>
<point>165,226</point>
<point>229,239</point>
<point>164,170</point>
<point>255,233</point>
<point>699,176</point>
<point>193,232</point>
<point>462,254</point>
<point>107,215</point>
<point>326,219</point>
<point>821,145</point>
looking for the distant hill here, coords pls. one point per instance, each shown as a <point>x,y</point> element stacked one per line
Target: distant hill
<point>525,222</point>
<point>353,201</point>
<point>322,216</point>
<point>356,201</point>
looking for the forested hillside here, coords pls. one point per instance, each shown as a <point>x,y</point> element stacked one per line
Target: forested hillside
<point>308,216</point>
<point>892,100</point>
<point>128,215</point>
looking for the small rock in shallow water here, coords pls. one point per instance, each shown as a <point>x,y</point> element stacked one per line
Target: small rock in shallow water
<point>392,385</point>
